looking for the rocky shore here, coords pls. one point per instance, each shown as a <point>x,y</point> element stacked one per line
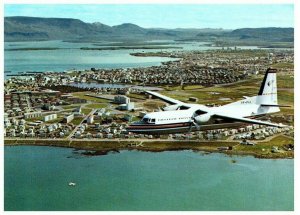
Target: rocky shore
<point>102,147</point>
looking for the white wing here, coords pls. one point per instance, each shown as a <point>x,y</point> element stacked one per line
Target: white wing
<point>165,98</point>
<point>246,120</point>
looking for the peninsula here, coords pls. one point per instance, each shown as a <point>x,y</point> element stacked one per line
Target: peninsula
<point>83,109</point>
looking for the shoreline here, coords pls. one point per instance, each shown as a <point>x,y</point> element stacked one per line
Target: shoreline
<point>103,147</point>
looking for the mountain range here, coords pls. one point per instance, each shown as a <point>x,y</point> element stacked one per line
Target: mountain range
<point>20,28</point>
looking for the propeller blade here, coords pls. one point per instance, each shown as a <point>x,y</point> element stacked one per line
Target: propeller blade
<point>190,128</point>
<point>193,123</point>
<point>196,124</point>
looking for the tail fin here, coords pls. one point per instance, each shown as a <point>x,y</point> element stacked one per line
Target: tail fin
<point>267,94</point>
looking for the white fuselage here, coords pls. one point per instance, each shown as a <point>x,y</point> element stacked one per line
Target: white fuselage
<point>175,121</point>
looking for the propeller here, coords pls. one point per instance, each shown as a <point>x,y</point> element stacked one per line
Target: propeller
<point>194,123</point>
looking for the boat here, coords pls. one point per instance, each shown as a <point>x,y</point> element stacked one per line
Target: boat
<point>72,184</point>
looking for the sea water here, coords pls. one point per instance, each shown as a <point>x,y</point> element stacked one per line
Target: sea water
<point>67,56</point>
<point>36,178</point>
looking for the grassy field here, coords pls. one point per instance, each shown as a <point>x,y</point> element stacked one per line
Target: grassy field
<point>83,95</point>
<point>283,65</point>
<point>285,81</point>
<point>136,96</point>
<point>77,120</point>
<point>153,104</point>
<point>264,147</point>
<point>96,105</point>
<point>233,91</point>
<point>86,110</point>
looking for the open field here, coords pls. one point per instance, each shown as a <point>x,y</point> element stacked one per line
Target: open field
<point>233,91</point>
<point>77,120</point>
<point>283,65</point>
<point>82,95</point>
<point>96,105</point>
<point>86,110</point>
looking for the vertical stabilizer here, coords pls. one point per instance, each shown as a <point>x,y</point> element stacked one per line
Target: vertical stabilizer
<point>267,94</point>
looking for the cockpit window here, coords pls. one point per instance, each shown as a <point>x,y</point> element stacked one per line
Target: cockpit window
<point>199,112</point>
<point>183,107</point>
<point>148,120</point>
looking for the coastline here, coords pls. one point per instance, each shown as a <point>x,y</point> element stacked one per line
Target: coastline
<point>204,93</point>
<point>102,147</point>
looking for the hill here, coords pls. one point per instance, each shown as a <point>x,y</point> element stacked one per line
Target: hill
<point>270,34</point>
<point>20,28</point>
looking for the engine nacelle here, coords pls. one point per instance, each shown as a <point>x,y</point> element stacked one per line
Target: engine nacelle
<point>171,107</point>
<point>203,118</point>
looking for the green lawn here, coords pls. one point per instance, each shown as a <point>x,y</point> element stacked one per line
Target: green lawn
<point>77,120</point>
<point>136,96</point>
<point>285,81</point>
<point>285,98</point>
<point>283,65</point>
<point>83,95</point>
<point>86,110</point>
<point>96,105</point>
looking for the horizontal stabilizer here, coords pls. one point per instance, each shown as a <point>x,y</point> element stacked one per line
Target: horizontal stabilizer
<point>246,120</point>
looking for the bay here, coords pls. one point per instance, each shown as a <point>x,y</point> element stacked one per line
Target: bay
<point>66,56</point>
<point>70,56</point>
<point>36,178</point>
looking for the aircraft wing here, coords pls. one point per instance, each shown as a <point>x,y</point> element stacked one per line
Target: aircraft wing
<point>246,120</point>
<point>165,98</point>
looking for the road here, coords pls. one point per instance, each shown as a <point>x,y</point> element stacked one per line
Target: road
<point>118,140</point>
<point>85,118</point>
<point>135,140</point>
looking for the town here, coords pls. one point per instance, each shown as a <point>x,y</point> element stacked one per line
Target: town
<point>98,104</point>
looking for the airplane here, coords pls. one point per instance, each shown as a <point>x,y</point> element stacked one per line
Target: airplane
<point>181,117</point>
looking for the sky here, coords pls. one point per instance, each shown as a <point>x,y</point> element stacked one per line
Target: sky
<point>226,16</point>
